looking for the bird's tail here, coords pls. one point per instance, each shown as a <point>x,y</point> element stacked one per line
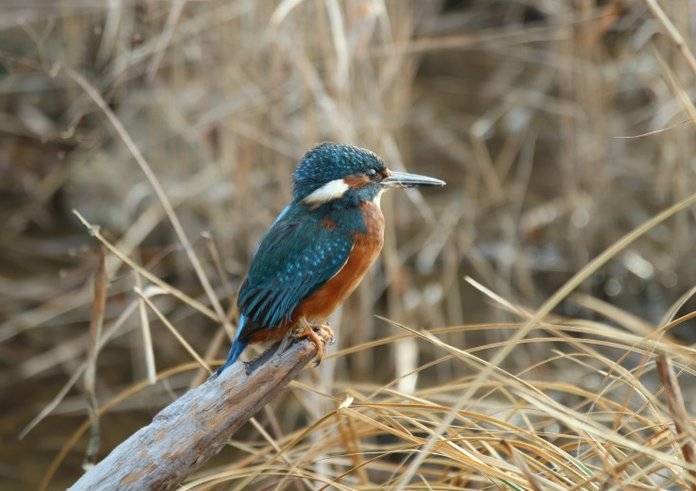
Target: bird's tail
<point>237,346</point>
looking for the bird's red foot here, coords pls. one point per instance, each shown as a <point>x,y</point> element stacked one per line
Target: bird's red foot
<point>320,335</point>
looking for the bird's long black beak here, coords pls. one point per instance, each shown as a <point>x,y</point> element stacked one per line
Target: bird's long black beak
<point>406,180</point>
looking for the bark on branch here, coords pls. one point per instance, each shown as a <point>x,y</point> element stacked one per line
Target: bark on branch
<point>196,426</point>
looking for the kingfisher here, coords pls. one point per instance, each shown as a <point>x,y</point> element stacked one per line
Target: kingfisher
<point>319,248</point>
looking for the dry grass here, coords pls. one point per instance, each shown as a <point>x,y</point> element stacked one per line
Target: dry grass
<point>565,132</point>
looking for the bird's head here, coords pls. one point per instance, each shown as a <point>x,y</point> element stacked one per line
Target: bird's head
<point>335,173</point>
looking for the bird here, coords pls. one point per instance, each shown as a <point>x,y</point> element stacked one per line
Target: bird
<point>318,249</point>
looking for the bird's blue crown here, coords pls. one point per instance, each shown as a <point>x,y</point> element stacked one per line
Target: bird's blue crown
<point>330,161</point>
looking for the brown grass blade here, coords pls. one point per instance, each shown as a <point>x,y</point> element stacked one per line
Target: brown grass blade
<point>682,422</point>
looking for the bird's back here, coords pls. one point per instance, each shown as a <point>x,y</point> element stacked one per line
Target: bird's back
<point>299,255</point>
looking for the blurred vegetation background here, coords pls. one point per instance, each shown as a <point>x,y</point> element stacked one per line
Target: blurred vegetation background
<point>558,126</point>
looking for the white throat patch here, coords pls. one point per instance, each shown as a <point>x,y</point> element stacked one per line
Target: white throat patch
<point>378,198</point>
<point>328,192</point>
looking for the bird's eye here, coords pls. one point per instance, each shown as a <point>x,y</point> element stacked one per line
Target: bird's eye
<point>371,172</point>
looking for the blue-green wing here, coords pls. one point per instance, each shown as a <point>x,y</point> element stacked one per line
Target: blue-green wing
<point>296,256</point>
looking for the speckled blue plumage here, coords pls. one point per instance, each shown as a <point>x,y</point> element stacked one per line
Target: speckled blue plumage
<point>296,256</point>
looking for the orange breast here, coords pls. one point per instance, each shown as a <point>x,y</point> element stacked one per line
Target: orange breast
<point>365,251</point>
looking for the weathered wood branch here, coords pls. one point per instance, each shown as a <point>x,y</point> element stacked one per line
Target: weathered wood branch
<point>196,426</point>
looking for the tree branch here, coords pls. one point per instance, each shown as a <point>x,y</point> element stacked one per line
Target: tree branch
<point>196,426</point>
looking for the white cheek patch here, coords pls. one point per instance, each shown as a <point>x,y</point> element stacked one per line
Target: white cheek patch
<point>328,192</point>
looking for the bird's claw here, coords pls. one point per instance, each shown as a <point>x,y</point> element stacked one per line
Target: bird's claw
<point>326,333</point>
<point>320,335</point>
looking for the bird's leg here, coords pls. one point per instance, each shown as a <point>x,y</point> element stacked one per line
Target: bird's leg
<point>305,330</point>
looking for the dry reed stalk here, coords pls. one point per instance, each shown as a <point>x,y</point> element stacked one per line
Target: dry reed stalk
<point>682,422</point>
<point>90,374</point>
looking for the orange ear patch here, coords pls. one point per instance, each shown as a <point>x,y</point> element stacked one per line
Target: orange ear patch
<point>356,182</point>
